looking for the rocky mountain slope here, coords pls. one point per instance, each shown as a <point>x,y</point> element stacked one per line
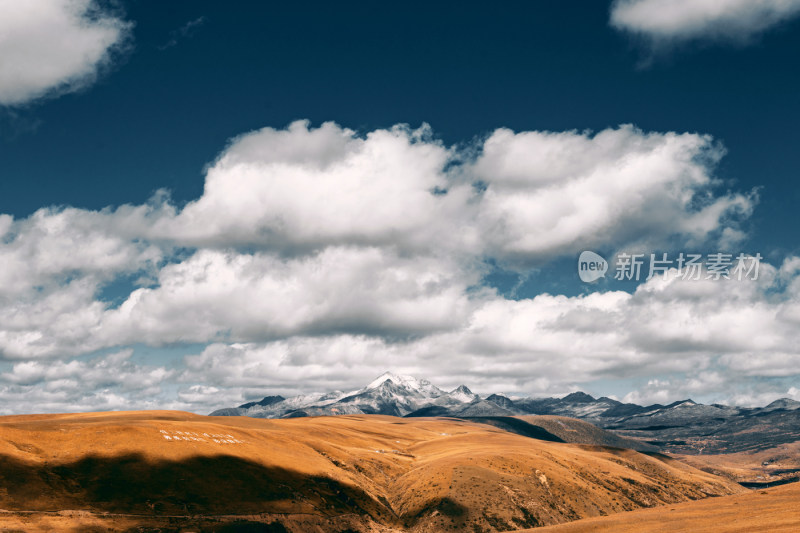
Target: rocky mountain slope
<point>681,427</point>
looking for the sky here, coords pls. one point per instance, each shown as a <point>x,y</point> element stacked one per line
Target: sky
<point>204,203</point>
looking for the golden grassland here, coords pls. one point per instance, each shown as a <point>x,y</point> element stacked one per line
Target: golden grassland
<point>776,510</point>
<point>118,472</point>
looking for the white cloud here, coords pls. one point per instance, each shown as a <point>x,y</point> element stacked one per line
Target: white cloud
<point>555,194</point>
<point>301,189</point>
<point>319,231</point>
<point>53,46</point>
<point>736,391</point>
<point>713,334</point>
<point>323,257</point>
<point>712,339</point>
<point>55,245</point>
<point>708,339</point>
<point>110,382</point>
<point>541,195</point>
<point>683,20</point>
<point>244,297</point>
<point>55,264</point>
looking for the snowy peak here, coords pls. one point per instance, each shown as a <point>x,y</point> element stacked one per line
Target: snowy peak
<point>409,383</point>
<point>398,379</point>
<point>462,394</point>
<point>388,376</point>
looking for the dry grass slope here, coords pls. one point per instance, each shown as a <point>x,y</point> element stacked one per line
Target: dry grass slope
<point>772,466</point>
<point>776,510</point>
<point>347,473</point>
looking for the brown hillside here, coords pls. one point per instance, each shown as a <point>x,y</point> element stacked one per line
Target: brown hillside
<point>775,510</point>
<point>362,473</point>
<point>580,432</point>
<point>760,467</point>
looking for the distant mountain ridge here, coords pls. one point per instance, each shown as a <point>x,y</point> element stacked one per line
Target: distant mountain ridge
<point>682,427</point>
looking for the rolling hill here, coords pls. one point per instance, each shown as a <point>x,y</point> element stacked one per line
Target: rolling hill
<point>161,469</point>
<point>774,510</point>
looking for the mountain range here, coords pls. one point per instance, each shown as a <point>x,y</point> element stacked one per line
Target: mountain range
<point>681,427</point>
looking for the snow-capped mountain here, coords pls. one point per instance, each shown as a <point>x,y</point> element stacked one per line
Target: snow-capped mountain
<point>278,406</point>
<point>684,426</point>
<point>462,394</point>
<point>389,394</point>
<point>420,386</point>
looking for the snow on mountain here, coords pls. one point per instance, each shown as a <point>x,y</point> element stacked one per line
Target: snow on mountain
<point>421,386</point>
<point>784,403</point>
<point>680,427</point>
<point>463,394</point>
<point>401,395</point>
<point>331,397</point>
<point>272,407</point>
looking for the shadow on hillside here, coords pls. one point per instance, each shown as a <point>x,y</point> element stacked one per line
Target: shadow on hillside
<point>213,485</point>
<point>515,425</point>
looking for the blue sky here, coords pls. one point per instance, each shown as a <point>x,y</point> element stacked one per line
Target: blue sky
<point>645,104</point>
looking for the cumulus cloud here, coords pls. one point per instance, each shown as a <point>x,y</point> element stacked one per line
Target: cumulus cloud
<point>525,198</point>
<point>753,393</point>
<point>713,334</point>
<point>323,256</point>
<point>54,46</point>
<point>55,264</point>
<point>318,231</point>
<point>226,295</point>
<point>110,382</point>
<point>551,194</point>
<point>55,245</point>
<point>716,340</point>
<point>304,188</point>
<point>683,20</point>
